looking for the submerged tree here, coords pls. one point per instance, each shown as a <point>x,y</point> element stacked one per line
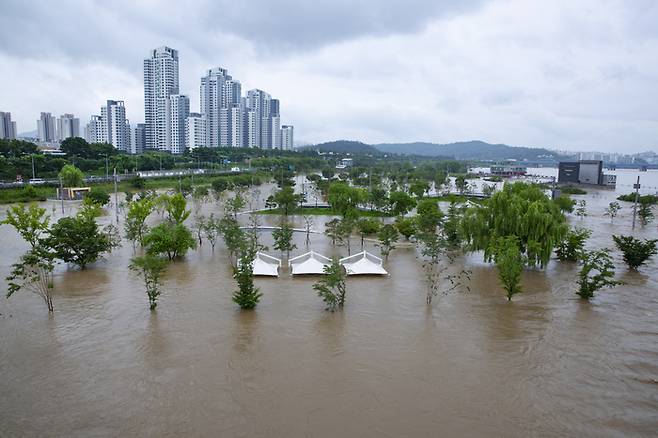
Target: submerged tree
<point>135,225</point>
<point>596,273</point>
<point>331,230</point>
<point>437,262</point>
<point>345,200</point>
<point>406,226</point>
<point>287,200</point>
<point>283,238</point>
<point>79,240</point>
<point>332,288</point>
<point>581,208</point>
<point>212,230</point>
<point>176,208</point>
<point>636,251</point>
<point>452,225</point>
<point>151,268</point>
<point>170,239</point>
<point>367,227</point>
<point>612,210</point>
<point>428,216</point>
<point>645,212</point>
<point>247,296</point>
<point>233,236</point>
<point>34,272</point>
<point>571,247</point>
<point>520,210</point>
<point>509,261</point>
<point>387,236</point>
<point>308,225</point>
<point>31,223</point>
<point>344,233</point>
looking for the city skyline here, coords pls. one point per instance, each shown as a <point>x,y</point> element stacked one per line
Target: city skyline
<point>560,75</point>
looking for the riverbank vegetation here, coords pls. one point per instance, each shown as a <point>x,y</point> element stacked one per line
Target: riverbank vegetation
<point>385,200</point>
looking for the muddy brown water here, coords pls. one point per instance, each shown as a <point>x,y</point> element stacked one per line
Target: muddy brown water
<point>472,364</point>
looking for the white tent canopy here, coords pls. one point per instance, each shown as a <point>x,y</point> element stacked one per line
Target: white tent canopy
<point>363,263</point>
<point>266,265</point>
<point>309,263</point>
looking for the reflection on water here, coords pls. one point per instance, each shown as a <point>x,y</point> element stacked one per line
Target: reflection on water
<point>546,364</point>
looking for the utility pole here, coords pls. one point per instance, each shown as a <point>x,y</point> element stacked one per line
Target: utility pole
<point>61,193</point>
<point>116,196</point>
<point>637,198</point>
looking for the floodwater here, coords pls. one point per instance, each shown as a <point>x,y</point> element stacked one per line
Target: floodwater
<point>472,364</point>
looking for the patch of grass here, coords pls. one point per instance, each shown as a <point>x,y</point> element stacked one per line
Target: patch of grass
<point>318,211</point>
<point>26,194</point>
<point>459,199</point>
<point>572,190</point>
<point>642,199</point>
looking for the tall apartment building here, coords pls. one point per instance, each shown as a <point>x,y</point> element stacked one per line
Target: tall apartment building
<point>138,138</point>
<point>259,102</point>
<point>46,128</point>
<point>250,133</point>
<point>67,126</point>
<point>7,126</point>
<point>94,130</point>
<point>275,124</point>
<point>287,140</point>
<point>160,82</point>
<point>220,94</point>
<point>195,131</point>
<point>115,126</point>
<point>178,110</point>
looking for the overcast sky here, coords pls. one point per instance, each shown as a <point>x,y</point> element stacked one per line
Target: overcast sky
<point>579,75</point>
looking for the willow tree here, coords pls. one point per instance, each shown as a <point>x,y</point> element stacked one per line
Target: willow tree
<point>520,210</point>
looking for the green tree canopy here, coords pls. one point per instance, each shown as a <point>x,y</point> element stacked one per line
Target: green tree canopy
<point>520,210</point>
<point>636,252</point>
<point>345,199</point>
<point>287,200</point>
<point>31,223</point>
<point>401,203</point>
<point>79,240</point>
<point>71,176</point>
<point>428,215</point>
<point>170,239</point>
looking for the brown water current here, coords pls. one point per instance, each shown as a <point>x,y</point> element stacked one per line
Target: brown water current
<point>472,364</point>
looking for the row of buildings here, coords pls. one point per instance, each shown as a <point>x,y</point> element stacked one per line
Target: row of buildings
<point>226,117</point>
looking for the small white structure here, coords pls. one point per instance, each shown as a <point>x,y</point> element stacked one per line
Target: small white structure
<point>310,263</point>
<point>266,265</point>
<point>363,263</point>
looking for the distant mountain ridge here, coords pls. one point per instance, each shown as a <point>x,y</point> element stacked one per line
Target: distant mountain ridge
<point>465,150</point>
<point>345,147</point>
<point>469,150</point>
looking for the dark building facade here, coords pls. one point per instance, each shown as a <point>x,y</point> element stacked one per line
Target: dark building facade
<point>568,173</point>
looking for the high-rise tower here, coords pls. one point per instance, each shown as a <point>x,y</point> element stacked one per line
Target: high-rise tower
<point>160,82</point>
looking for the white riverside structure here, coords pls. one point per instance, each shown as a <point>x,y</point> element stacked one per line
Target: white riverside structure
<point>310,263</point>
<point>265,265</point>
<point>363,263</point>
